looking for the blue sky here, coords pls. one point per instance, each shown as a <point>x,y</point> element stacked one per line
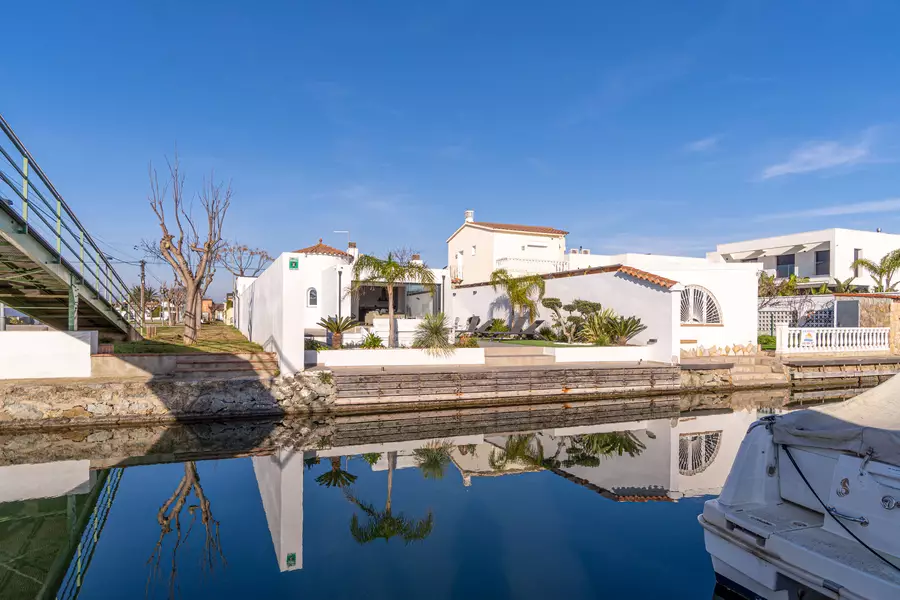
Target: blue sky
<point>658,127</point>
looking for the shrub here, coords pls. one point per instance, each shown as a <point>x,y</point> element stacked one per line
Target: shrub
<point>499,326</point>
<point>547,333</point>
<point>433,335</point>
<point>622,329</point>
<point>766,342</point>
<point>372,342</point>
<point>326,378</point>
<point>466,341</point>
<point>311,344</point>
<point>595,330</point>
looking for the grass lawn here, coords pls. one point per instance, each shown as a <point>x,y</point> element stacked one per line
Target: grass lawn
<point>214,337</point>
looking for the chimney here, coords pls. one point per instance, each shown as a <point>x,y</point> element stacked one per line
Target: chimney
<point>470,216</point>
<point>416,259</point>
<point>352,250</point>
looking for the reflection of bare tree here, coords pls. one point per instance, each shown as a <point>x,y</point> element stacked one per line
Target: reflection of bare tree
<point>169,518</point>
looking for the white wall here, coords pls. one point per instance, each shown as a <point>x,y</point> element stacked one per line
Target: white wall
<point>658,308</point>
<point>395,357</point>
<point>272,312</point>
<point>46,354</point>
<point>874,246</point>
<point>45,480</point>
<point>476,268</point>
<point>280,481</point>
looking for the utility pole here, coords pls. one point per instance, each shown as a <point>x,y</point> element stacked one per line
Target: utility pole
<point>143,310</point>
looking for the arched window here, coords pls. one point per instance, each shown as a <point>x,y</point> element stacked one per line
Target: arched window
<point>312,297</point>
<point>698,305</point>
<point>696,451</point>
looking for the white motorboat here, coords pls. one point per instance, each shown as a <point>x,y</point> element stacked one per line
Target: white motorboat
<point>811,507</point>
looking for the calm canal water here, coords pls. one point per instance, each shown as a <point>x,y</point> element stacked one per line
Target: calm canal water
<point>567,504</point>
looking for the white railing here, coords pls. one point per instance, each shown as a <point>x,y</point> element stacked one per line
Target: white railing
<point>531,266</point>
<point>795,340</point>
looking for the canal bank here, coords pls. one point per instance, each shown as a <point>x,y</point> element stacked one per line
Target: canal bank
<point>617,386</point>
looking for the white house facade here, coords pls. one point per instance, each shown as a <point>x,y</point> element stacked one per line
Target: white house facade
<point>477,248</point>
<point>821,256</point>
<point>284,305</point>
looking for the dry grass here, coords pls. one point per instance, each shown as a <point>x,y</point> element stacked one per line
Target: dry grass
<point>214,337</point>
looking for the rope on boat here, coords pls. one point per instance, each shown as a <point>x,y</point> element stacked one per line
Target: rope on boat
<point>830,511</point>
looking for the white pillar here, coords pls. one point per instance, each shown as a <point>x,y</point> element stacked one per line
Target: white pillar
<point>2,317</point>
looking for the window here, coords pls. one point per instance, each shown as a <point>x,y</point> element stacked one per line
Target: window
<point>696,451</point>
<point>473,250</point>
<point>823,262</point>
<point>699,306</point>
<point>857,254</point>
<point>784,265</point>
<point>312,297</point>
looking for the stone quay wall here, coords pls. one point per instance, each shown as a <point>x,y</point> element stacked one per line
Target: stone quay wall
<point>91,401</point>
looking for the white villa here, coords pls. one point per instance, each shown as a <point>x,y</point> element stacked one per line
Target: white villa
<point>285,303</point>
<point>685,302</point>
<point>477,249</point>
<point>822,256</point>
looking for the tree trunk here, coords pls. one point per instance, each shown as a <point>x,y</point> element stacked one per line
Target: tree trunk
<point>198,313</point>
<point>390,295</point>
<point>191,307</point>
<point>392,460</point>
<point>337,338</point>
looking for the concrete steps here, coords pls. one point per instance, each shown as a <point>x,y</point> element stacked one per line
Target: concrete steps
<point>226,366</point>
<point>516,356</point>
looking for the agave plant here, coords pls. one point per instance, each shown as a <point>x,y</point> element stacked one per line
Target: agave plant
<point>337,326</point>
<point>622,329</point>
<point>595,329</point>
<point>433,335</point>
<point>433,459</point>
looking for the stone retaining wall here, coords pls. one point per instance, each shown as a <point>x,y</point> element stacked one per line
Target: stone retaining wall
<point>75,402</point>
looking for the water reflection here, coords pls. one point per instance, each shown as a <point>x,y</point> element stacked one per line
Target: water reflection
<point>57,510</point>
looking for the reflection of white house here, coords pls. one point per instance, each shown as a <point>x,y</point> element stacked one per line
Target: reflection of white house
<point>684,457</point>
<point>822,256</point>
<point>46,480</point>
<point>280,481</point>
<point>287,301</point>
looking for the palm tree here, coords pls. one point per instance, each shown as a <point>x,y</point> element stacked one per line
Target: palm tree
<point>523,292</point>
<point>389,272</point>
<point>622,329</point>
<point>337,326</point>
<point>844,286</point>
<point>384,524</point>
<point>882,271</point>
<point>607,444</point>
<point>336,477</point>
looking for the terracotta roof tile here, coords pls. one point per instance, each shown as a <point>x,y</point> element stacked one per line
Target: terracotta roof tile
<point>630,271</point>
<point>323,249</point>
<point>639,274</point>
<point>523,228</point>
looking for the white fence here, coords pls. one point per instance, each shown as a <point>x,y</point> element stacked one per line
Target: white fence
<point>795,340</point>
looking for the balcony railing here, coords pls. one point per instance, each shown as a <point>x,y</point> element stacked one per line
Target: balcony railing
<point>797,340</point>
<point>531,266</point>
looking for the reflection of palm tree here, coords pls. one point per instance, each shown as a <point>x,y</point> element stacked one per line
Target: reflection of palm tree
<point>372,458</point>
<point>523,448</point>
<point>432,459</point>
<point>384,524</point>
<point>336,477</point>
<point>607,444</point>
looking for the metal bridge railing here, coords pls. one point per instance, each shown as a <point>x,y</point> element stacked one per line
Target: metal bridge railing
<point>28,192</point>
<point>84,551</point>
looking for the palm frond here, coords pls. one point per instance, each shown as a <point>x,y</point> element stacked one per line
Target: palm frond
<point>433,335</point>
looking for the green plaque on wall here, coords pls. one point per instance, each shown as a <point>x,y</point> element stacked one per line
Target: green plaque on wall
<point>293,264</point>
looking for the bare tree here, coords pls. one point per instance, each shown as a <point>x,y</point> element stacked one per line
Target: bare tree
<point>242,261</point>
<point>190,252</point>
<point>169,519</point>
<point>174,296</point>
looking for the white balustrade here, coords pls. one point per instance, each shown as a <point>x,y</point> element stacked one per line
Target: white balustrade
<point>802,340</point>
